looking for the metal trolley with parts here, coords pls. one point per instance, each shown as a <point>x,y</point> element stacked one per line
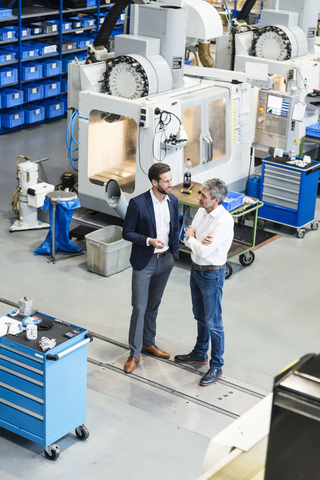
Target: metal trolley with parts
<point>239,248</point>
<point>43,394</point>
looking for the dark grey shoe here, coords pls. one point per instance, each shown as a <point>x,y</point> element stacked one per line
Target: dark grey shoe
<point>190,358</point>
<point>212,375</point>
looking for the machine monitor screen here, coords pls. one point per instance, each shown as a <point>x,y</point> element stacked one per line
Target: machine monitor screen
<point>278,105</point>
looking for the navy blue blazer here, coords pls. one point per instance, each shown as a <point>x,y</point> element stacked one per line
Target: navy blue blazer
<point>140,223</point>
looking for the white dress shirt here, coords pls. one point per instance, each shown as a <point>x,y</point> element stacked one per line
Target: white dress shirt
<point>218,223</point>
<point>162,216</point>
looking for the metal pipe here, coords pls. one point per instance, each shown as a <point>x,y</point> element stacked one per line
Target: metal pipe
<point>205,55</point>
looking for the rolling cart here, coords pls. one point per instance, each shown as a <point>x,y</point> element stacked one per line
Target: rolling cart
<point>239,248</point>
<point>289,193</point>
<point>43,394</point>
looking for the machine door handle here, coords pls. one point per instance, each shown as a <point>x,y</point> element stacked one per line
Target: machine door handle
<point>209,142</point>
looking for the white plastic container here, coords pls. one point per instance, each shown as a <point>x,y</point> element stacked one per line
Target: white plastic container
<point>107,252</point>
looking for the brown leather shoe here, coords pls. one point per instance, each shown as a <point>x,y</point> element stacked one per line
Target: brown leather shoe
<point>155,351</point>
<point>131,364</point>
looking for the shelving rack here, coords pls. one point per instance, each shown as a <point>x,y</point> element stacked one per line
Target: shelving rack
<point>24,105</point>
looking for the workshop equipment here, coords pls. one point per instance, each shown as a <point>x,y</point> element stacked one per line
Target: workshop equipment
<point>61,205</point>
<point>29,196</point>
<point>43,393</point>
<point>134,108</point>
<point>289,192</point>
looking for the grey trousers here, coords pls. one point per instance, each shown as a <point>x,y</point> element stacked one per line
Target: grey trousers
<point>147,289</point>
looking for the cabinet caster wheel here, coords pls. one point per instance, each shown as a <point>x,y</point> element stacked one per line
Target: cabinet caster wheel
<point>314,225</point>
<point>228,271</point>
<point>52,452</point>
<point>82,432</point>
<point>247,258</point>
<point>300,233</point>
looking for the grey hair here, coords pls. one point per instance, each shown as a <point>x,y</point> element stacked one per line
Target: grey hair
<point>217,188</point>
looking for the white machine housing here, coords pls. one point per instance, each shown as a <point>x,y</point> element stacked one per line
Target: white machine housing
<point>217,115</point>
<point>120,138</point>
<point>31,197</point>
<point>284,48</point>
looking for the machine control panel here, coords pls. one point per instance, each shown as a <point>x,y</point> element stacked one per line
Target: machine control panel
<point>274,125</point>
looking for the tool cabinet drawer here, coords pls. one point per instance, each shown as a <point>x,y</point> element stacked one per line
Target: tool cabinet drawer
<point>20,399</point>
<point>19,367</point>
<point>22,382</point>
<point>21,419</point>
<point>22,357</point>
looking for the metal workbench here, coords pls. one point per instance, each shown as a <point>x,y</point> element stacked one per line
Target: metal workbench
<point>43,394</point>
<point>239,248</point>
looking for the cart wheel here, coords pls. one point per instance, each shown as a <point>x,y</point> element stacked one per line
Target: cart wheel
<point>82,432</point>
<point>228,270</point>
<point>52,452</point>
<point>300,233</point>
<point>246,258</point>
<point>314,225</point>
<point>261,224</point>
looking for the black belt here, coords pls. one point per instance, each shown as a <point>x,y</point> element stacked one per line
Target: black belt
<point>207,268</point>
<point>163,254</point>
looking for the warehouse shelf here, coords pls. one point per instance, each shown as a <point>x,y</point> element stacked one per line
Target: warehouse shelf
<point>13,72</point>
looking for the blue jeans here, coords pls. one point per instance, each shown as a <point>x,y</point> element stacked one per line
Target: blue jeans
<point>206,294</point>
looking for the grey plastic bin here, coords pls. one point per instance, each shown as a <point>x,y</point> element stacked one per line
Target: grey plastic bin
<point>107,252</point>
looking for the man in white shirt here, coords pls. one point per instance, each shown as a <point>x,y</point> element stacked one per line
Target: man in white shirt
<point>152,225</point>
<point>209,237</point>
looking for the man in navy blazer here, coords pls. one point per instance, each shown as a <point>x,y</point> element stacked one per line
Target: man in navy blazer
<point>152,225</point>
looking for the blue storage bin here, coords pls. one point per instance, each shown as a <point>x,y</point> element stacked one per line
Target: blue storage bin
<point>81,41</point>
<point>26,51</point>
<point>6,56</point>
<point>33,91</point>
<point>78,22</point>
<point>233,200</point>
<point>11,97</point>
<point>5,12</point>
<point>51,88</point>
<point>25,31</point>
<point>43,48</point>
<point>33,113</point>
<point>64,85</point>
<point>53,108</point>
<point>8,75</point>
<point>64,99</point>
<point>51,67</point>
<point>7,34</point>
<point>49,26</point>
<point>65,62</point>
<point>36,29</point>
<point>31,71</point>
<point>12,118</point>
<point>66,25</point>
<point>313,130</point>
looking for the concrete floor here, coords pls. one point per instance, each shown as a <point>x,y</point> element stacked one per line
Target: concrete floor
<point>136,430</point>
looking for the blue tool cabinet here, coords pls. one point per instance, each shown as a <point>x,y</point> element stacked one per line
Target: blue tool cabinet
<point>289,192</point>
<point>43,394</point>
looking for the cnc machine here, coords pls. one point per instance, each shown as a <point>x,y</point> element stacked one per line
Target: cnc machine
<point>281,57</point>
<point>141,105</point>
